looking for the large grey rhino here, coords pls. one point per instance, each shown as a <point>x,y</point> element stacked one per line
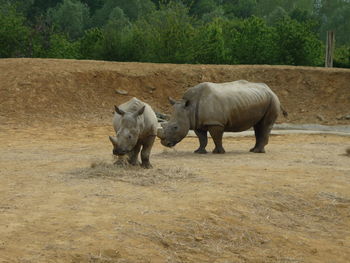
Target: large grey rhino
<point>232,107</point>
<point>135,124</point>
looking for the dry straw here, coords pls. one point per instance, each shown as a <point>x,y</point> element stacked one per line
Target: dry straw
<point>134,174</point>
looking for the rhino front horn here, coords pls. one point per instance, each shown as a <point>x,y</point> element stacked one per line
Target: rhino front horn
<point>113,139</point>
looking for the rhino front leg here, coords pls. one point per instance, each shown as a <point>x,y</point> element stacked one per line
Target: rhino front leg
<point>216,133</point>
<point>133,155</point>
<point>146,151</point>
<point>203,141</point>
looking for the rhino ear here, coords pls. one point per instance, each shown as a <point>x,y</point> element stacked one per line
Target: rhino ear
<point>119,111</point>
<point>171,100</point>
<point>140,111</point>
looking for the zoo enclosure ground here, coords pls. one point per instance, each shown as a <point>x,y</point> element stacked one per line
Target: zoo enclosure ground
<point>290,204</point>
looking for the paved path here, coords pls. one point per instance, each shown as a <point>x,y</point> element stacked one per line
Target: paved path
<point>285,128</point>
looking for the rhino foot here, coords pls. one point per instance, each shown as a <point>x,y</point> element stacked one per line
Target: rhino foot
<point>134,163</point>
<point>257,150</point>
<point>201,151</point>
<point>219,150</point>
<point>146,165</point>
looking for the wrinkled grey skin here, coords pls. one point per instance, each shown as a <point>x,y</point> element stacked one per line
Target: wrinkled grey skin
<point>233,106</point>
<point>135,124</point>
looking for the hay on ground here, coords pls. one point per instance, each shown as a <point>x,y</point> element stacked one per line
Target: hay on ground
<point>135,175</point>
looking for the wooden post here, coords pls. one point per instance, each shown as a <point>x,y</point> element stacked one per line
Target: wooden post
<point>329,49</point>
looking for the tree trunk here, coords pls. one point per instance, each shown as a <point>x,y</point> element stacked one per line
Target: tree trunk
<point>330,49</point>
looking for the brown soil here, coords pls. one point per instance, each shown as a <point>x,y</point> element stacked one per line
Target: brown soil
<point>62,200</point>
<point>44,89</point>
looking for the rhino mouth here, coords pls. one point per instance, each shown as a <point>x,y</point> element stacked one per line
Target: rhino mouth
<point>120,152</point>
<point>168,144</point>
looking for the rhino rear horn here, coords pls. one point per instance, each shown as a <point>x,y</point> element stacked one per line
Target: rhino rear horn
<point>171,100</point>
<point>119,111</point>
<point>160,133</point>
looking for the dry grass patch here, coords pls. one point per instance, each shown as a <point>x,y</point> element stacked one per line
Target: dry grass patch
<point>134,174</point>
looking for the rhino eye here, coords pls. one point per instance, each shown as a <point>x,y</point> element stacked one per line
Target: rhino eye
<point>175,128</point>
<point>129,137</point>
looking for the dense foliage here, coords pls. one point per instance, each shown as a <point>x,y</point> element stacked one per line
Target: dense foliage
<point>177,31</point>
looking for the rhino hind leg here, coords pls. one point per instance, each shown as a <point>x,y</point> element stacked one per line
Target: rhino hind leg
<point>146,152</point>
<point>216,133</point>
<point>262,131</point>
<point>203,141</point>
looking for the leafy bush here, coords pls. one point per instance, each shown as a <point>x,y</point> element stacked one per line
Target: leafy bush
<point>61,47</point>
<point>91,44</point>
<point>342,57</point>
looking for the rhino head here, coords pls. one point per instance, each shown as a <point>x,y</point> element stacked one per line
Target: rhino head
<point>178,126</point>
<point>128,133</point>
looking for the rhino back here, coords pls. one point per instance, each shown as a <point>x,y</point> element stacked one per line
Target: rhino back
<point>147,121</point>
<point>237,106</point>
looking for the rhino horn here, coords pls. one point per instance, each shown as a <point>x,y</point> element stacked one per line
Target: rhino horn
<point>171,100</point>
<point>113,140</point>
<point>160,133</point>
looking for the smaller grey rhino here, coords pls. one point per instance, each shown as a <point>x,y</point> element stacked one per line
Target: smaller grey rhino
<point>135,124</point>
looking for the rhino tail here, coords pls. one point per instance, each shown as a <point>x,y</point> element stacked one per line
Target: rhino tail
<point>284,112</point>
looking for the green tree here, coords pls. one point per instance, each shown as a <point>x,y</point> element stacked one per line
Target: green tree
<point>210,44</point>
<point>339,21</point>
<point>201,7</point>
<point>117,20</point>
<point>71,17</point>
<point>14,34</point>
<point>61,47</point>
<point>297,44</point>
<point>37,8</point>
<point>240,8</point>
<point>93,5</point>
<point>165,35</point>
<point>252,42</point>
<point>117,33</point>
<point>92,44</point>
<point>133,9</point>
<point>276,15</point>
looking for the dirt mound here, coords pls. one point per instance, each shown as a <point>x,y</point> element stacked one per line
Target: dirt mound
<point>46,90</point>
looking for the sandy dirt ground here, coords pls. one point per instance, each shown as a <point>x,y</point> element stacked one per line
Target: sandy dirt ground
<point>291,204</point>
